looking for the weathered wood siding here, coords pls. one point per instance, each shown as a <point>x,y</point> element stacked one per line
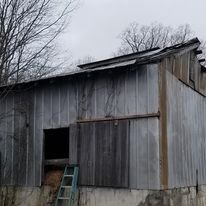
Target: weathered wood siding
<point>102,153</point>
<point>58,103</point>
<point>108,151</point>
<point>186,67</point>
<point>186,116</point>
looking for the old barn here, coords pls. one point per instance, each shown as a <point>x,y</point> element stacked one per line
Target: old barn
<point>134,124</point>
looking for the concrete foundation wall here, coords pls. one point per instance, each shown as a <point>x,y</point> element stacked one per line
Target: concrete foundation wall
<point>110,197</point>
<point>45,196</point>
<point>25,196</point>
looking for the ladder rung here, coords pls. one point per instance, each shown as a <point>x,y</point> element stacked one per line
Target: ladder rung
<point>63,198</point>
<point>67,187</point>
<point>68,184</point>
<point>68,175</point>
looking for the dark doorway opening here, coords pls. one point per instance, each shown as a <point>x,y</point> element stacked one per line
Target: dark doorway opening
<point>56,144</point>
<point>56,155</point>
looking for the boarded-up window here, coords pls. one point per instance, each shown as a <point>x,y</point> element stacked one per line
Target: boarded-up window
<point>101,151</point>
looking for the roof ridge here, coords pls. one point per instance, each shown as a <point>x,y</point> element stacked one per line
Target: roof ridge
<point>136,55</point>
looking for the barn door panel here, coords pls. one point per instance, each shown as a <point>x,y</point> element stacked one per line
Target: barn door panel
<point>82,151</point>
<point>101,150</point>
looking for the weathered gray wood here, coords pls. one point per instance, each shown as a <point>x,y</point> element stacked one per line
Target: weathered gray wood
<point>130,91</point>
<point>20,142</point>
<point>47,107</point>
<point>122,153</point>
<point>17,125</point>
<point>112,154</point>
<point>73,144</point>
<point>31,153</point>
<point>57,104</point>
<point>8,172</point>
<point>2,138</point>
<point>64,105</point>
<point>101,150</point>
<point>103,154</point>
<point>73,102</point>
<point>100,96</point>
<point>86,154</point>
<point>153,87</point>
<point>38,128</point>
<point>120,95</point>
<point>142,90</point>
<point>55,98</point>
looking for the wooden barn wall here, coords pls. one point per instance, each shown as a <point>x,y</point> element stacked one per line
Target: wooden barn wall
<point>186,116</point>
<point>54,104</point>
<point>101,149</point>
<point>121,153</point>
<point>182,65</point>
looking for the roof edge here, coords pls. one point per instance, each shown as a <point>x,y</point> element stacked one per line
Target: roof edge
<point>137,55</point>
<point>113,60</point>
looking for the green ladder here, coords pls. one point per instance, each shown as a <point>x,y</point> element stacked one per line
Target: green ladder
<point>68,187</point>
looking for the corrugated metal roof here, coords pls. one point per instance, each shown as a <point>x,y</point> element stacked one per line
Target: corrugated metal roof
<point>142,57</point>
<point>119,59</point>
<point>139,56</point>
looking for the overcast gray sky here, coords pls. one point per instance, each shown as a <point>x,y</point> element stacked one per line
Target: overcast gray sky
<point>96,24</point>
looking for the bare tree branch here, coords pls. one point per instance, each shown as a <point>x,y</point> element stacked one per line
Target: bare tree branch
<point>28,30</point>
<point>142,37</point>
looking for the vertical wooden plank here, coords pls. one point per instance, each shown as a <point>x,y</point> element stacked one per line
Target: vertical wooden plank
<point>120,95</point>
<point>9,140</point>
<point>47,123</point>
<point>107,157</point>
<point>100,96</point>
<point>185,67</point>
<point>17,146</point>
<point>110,95</point>
<point>123,134</point>
<point>82,97</point>
<point>31,168</point>
<point>64,106</point>
<point>90,104</point>
<point>38,137</point>
<point>130,105</point>
<point>2,138</point>
<point>87,154</point>
<point>133,156</point>
<point>142,91</point>
<point>102,132</point>
<point>73,144</point>
<point>20,142</point>
<point>73,102</point>
<point>55,95</point>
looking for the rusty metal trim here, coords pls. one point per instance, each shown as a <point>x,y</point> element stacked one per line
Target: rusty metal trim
<point>128,117</point>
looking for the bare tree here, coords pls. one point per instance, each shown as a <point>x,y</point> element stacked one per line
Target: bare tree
<point>28,30</point>
<point>141,37</point>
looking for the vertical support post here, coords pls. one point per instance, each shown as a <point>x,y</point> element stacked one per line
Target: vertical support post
<point>163,127</point>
